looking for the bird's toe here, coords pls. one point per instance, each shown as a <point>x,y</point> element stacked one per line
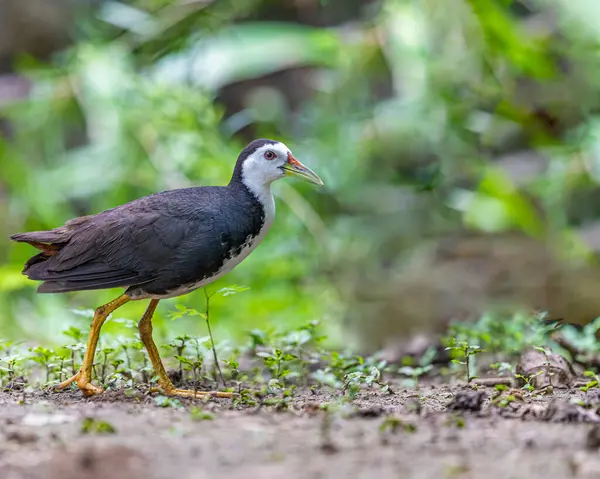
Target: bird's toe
<point>84,385</point>
<point>88,389</point>
<point>188,393</point>
<point>67,382</point>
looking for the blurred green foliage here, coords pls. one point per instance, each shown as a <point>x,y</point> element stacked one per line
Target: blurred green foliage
<point>412,112</point>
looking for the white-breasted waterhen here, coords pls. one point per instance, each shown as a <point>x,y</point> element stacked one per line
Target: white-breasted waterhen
<point>162,245</point>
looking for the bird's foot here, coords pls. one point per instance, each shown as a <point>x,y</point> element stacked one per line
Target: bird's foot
<point>83,383</point>
<point>189,393</point>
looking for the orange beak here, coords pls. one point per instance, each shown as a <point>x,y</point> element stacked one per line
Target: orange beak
<point>294,168</point>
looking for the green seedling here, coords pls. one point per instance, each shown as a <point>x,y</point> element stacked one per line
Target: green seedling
<point>466,355</point>
<point>199,414</point>
<point>276,361</point>
<point>527,379</point>
<point>179,345</point>
<point>421,369</point>
<point>592,383</point>
<point>104,355</point>
<point>166,401</point>
<point>244,398</point>
<point>353,382</point>
<point>394,424</point>
<point>193,366</point>
<point>96,426</point>
<point>9,365</point>
<point>44,357</point>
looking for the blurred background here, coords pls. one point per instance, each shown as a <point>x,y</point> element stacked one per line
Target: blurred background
<point>458,142</point>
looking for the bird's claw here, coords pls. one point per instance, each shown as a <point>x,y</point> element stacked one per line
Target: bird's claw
<point>189,393</point>
<point>84,385</point>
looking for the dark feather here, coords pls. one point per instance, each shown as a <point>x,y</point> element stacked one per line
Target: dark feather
<point>85,272</point>
<point>55,236</point>
<point>65,286</point>
<point>38,258</point>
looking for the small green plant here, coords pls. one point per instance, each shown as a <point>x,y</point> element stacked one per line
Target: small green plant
<point>102,366</point>
<point>276,361</point>
<point>44,357</point>
<point>179,345</point>
<point>200,414</point>
<point>166,401</point>
<point>342,370</point>
<point>9,365</point>
<point>354,380</point>
<point>423,366</point>
<point>592,383</point>
<point>192,365</point>
<point>527,379</point>
<point>283,400</point>
<point>91,425</point>
<point>466,354</point>
<point>502,401</point>
<point>500,398</point>
<point>245,398</point>
<point>393,424</point>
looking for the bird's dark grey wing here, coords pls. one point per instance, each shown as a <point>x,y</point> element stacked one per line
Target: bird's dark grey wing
<point>93,275</point>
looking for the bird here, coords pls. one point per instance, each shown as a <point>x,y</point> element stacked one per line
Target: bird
<point>163,245</point>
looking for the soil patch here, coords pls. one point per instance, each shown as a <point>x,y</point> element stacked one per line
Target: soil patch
<point>433,432</point>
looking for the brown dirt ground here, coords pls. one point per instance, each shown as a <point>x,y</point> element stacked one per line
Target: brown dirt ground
<point>41,437</point>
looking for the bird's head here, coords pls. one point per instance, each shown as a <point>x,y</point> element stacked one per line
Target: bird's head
<point>264,161</point>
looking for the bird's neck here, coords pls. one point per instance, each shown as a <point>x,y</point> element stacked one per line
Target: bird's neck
<point>259,191</point>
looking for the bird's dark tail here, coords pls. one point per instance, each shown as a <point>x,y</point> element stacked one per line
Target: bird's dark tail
<point>85,272</point>
<point>57,235</point>
<point>48,242</point>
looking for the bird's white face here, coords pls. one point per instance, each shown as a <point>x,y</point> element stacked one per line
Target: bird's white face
<point>271,162</point>
<point>263,166</point>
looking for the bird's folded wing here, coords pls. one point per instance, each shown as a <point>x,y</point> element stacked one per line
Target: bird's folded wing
<point>91,275</point>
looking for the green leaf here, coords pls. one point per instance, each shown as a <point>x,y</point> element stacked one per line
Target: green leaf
<point>165,401</point>
<point>183,359</point>
<point>265,354</point>
<point>233,289</point>
<point>199,414</point>
<point>185,311</point>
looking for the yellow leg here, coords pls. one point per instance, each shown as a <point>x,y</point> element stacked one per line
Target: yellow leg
<point>145,328</point>
<point>83,377</point>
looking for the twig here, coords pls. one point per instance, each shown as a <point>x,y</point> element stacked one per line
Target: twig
<point>212,341</point>
<point>73,370</point>
<point>492,381</point>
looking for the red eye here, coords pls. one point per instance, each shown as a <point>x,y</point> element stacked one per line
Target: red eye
<point>269,155</point>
